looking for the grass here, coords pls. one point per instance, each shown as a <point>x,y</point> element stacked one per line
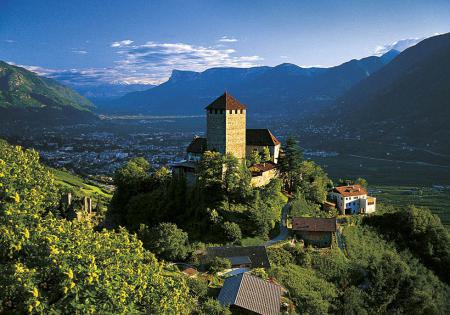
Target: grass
<point>71,181</point>
<point>252,241</point>
<point>401,196</point>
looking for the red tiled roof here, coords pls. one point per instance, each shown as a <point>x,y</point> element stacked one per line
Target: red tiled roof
<point>260,137</point>
<point>353,190</point>
<point>198,145</point>
<point>314,224</point>
<point>226,101</point>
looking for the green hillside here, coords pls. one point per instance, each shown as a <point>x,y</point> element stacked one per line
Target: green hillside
<point>75,183</point>
<point>22,90</point>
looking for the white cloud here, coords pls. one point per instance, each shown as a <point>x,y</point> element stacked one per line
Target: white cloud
<point>80,52</point>
<point>227,39</point>
<point>399,45</point>
<point>150,63</point>
<point>155,61</point>
<point>122,43</point>
<point>9,41</point>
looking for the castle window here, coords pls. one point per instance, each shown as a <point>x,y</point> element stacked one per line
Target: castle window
<point>231,111</point>
<point>242,111</point>
<point>215,111</point>
<point>221,111</point>
<point>235,111</point>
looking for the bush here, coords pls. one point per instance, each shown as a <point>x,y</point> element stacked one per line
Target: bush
<point>198,287</point>
<point>232,232</point>
<point>169,242</point>
<point>218,264</point>
<point>280,256</point>
<point>213,307</point>
<point>311,294</point>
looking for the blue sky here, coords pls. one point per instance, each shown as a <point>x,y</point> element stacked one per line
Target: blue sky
<point>142,41</point>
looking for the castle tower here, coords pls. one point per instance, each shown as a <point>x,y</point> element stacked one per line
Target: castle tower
<point>226,126</point>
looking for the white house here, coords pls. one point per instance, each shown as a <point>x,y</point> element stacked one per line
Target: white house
<point>352,200</point>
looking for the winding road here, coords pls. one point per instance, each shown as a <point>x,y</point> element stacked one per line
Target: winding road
<point>284,232</point>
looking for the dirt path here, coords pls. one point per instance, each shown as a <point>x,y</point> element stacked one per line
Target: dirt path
<point>284,232</point>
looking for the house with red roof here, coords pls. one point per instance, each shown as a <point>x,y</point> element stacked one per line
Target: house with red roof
<point>352,199</point>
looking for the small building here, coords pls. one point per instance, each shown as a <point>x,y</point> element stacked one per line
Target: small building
<point>196,149</point>
<point>258,139</point>
<point>240,256</point>
<point>262,173</point>
<point>352,199</point>
<point>248,294</point>
<point>315,231</point>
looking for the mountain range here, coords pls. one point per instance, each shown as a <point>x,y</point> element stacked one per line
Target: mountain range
<point>286,88</point>
<point>105,92</point>
<point>27,96</point>
<point>407,99</point>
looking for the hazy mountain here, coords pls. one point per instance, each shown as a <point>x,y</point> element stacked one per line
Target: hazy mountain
<point>284,89</point>
<point>25,95</point>
<point>408,99</point>
<point>103,93</point>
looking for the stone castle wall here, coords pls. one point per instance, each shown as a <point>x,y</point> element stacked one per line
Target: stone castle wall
<point>235,133</point>
<point>225,131</point>
<point>215,130</point>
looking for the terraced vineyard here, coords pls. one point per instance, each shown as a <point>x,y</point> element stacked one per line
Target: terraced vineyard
<point>74,182</point>
<point>438,201</point>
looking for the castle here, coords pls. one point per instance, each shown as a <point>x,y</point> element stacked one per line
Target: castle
<point>227,133</point>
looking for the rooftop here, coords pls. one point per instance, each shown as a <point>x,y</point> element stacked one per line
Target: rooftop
<point>258,169</point>
<point>198,145</point>
<point>226,101</point>
<point>261,137</point>
<point>251,293</point>
<point>352,190</point>
<point>257,254</point>
<point>314,224</point>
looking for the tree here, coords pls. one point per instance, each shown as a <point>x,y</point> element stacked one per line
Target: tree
<point>279,256</point>
<point>131,179</point>
<point>266,154</point>
<point>218,264</point>
<point>232,232</point>
<point>362,182</point>
<point>213,307</point>
<point>420,231</point>
<point>314,183</point>
<point>210,172</point>
<point>255,157</point>
<point>290,163</point>
<point>353,302</point>
<point>169,242</point>
<point>198,288</point>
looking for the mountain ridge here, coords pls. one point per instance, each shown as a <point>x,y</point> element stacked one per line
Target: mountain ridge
<point>271,90</point>
<point>407,99</point>
<point>26,96</point>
